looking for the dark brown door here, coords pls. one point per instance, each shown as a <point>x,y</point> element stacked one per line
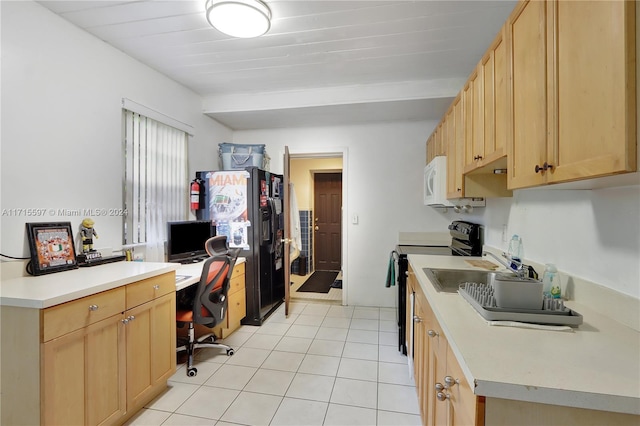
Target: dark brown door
<point>327,223</point>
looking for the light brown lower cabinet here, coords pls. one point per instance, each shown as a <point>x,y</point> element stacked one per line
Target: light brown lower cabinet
<point>444,395</point>
<point>91,361</point>
<point>236,305</point>
<point>83,375</point>
<point>150,349</point>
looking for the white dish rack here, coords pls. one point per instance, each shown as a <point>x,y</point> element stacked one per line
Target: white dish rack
<point>480,296</point>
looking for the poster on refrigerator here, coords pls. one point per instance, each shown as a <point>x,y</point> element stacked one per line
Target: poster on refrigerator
<point>228,205</point>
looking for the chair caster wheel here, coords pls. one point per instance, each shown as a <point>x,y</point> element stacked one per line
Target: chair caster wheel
<point>191,372</point>
<point>230,352</point>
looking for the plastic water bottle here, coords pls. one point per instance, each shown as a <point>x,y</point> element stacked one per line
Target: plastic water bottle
<point>551,282</point>
<point>515,251</point>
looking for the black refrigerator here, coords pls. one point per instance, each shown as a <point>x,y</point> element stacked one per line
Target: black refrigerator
<point>247,207</point>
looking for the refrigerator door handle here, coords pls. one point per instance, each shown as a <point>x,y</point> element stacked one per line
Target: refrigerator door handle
<point>272,225</point>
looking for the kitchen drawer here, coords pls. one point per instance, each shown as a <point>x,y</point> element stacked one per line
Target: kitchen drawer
<point>236,284</point>
<point>238,270</point>
<point>151,288</point>
<point>67,317</point>
<point>237,308</point>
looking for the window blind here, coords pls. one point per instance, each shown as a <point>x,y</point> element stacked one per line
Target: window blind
<point>156,180</point>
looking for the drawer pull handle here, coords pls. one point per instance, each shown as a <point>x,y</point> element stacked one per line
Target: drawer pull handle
<point>417,318</point>
<point>439,387</point>
<point>131,318</point>
<point>93,307</point>
<point>442,396</point>
<point>125,321</point>
<point>432,333</point>
<point>156,287</point>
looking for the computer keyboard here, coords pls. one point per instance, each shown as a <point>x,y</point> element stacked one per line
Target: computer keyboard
<point>101,260</point>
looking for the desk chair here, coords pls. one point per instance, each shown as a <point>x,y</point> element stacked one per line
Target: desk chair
<point>209,302</point>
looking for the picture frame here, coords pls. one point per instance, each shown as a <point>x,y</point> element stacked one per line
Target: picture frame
<point>52,247</point>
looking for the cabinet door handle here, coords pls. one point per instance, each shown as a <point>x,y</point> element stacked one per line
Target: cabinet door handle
<point>432,333</point>
<point>439,387</point>
<point>131,318</point>
<point>546,166</point>
<point>417,319</point>
<point>93,307</point>
<point>156,287</point>
<point>125,321</point>
<point>450,382</point>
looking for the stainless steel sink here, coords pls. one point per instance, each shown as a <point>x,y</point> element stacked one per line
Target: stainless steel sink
<point>449,280</point>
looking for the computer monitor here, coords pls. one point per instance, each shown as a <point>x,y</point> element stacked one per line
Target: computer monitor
<point>186,240</point>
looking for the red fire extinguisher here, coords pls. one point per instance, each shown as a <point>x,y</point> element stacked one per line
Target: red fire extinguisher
<point>196,184</point>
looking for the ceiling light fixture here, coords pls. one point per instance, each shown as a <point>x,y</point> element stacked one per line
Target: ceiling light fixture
<point>239,18</point>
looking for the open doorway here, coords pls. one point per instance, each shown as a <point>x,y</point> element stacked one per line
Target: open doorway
<point>322,239</point>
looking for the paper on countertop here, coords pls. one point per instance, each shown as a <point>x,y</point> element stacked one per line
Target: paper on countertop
<point>531,325</point>
<point>484,264</point>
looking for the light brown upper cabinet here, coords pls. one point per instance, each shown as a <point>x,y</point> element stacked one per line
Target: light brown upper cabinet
<point>489,108</point>
<point>572,91</point>
<point>488,115</point>
<point>455,149</point>
<point>470,94</point>
<point>441,138</point>
<point>436,144</point>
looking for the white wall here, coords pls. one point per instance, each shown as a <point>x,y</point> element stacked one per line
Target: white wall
<point>384,188</point>
<point>591,234</point>
<point>61,122</point>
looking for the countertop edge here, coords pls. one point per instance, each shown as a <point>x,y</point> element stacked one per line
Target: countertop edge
<point>119,279</point>
<point>551,396</point>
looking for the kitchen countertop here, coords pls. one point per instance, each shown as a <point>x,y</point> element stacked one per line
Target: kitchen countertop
<point>595,366</point>
<point>43,291</point>
<point>191,273</point>
<point>47,290</point>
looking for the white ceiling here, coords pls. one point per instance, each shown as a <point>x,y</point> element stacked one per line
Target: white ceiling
<point>322,63</point>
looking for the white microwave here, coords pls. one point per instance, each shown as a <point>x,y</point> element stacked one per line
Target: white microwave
<point>435,187</point>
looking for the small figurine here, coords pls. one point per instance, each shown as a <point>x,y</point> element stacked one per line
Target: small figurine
<point>87,232</point>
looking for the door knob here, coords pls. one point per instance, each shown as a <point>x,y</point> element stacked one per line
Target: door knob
<point>317,228</point>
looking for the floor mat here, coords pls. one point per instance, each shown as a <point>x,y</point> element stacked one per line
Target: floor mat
<point>319,282</point>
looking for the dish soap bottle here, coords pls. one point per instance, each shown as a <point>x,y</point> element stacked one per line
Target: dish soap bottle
<point>550,282</point>
<point>515,251</point>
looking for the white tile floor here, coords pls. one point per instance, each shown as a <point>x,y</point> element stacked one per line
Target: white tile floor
<point>323,365</point>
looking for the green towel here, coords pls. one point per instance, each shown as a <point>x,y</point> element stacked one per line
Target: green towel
<point>391,271</point>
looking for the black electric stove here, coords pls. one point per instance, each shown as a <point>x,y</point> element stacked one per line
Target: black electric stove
<point>466,240</point>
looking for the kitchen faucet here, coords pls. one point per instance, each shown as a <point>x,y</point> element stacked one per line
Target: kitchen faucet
<point>520,269</point>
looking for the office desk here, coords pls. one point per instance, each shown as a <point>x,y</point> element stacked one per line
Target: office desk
<point>192,272</point>
<point>236,308</point>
